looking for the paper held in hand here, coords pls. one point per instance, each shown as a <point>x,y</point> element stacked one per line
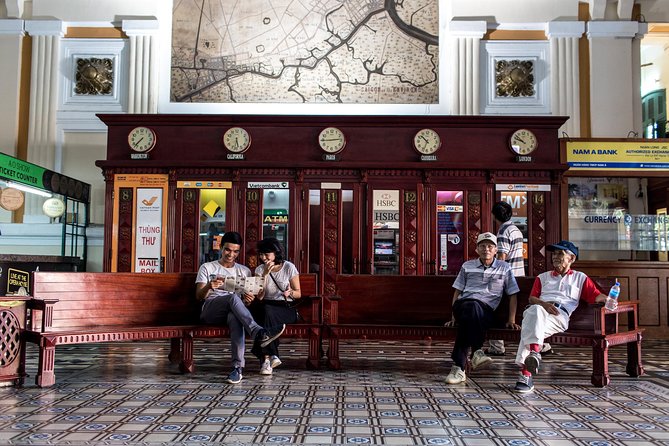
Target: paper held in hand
<point>243,285</point>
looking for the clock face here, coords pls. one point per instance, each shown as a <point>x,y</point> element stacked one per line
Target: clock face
<point>426,141</point>
<point>142,139</point>
<point>236,140</point>
<point>523,142</point>
<point>332,140</point>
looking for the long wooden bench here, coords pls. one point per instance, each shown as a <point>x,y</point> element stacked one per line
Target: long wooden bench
<point>77,308</point>
<point>416,308</point>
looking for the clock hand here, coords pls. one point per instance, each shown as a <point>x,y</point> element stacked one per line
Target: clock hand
<point>520,139</point>
<point>331,139</point>
<point>138,141</point>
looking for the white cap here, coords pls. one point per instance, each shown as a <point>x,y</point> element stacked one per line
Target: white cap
<point>489,236</point>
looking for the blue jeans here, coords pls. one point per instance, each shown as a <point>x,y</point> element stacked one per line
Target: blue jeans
<point>229,309</point>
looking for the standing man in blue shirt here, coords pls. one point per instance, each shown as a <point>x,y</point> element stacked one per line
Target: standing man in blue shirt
<point>479,287</point>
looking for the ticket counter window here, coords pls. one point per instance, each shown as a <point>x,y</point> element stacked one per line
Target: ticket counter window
<point>275,215</point>
<point>451,239</point>
<point>212,223</point>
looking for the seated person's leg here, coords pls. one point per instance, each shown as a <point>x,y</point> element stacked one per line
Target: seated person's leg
<point>237,339</point>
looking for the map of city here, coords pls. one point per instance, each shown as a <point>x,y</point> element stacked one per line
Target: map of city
<point>309,51</point>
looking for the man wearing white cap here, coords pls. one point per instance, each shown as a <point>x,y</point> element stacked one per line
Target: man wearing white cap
<point>479,288</point>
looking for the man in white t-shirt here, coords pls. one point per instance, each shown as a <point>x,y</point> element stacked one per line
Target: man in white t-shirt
<point>223,307</point>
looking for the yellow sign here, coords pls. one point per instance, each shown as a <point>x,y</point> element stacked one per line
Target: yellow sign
<point>650,155</point>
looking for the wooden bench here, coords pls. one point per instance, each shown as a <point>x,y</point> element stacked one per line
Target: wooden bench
<point>416,308</point>
<point>77,308</point>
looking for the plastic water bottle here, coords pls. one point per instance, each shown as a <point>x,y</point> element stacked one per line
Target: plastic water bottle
<point>612,298</point>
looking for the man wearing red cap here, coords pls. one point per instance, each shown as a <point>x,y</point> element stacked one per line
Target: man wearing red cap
<point>554,296</point>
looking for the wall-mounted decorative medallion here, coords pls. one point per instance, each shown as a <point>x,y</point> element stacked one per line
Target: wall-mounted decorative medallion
<point>94,77</point>
<point>514,78</point>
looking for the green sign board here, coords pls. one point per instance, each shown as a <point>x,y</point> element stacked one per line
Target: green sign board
<point>28,174</point>
<point>20,171</point>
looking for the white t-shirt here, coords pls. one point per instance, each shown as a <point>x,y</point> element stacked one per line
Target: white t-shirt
<point>216,268</point>
<point>283,276</point>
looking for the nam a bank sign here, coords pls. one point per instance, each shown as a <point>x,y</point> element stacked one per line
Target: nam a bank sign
<point>649,155</point>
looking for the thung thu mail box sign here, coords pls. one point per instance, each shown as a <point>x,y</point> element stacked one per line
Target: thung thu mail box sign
<point>618,155</point>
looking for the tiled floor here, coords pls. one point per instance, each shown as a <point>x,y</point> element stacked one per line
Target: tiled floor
<point>386,393</point>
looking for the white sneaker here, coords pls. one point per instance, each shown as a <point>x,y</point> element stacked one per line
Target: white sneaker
<point>274,361</point>
<point>479,359</point>
<point>266,368</point>
<point>456,376</point>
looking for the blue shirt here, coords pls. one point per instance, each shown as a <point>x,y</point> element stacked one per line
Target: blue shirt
<point>487,284</point>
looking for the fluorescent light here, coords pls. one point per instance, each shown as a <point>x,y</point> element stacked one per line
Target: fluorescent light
<point>29,189</point>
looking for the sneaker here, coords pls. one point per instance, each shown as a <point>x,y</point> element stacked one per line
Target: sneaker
<point>265,368</point>
<point>274,361</point>
<point>235,376</point>
<point>532,362</point>
<point>266,335</point>
<point>456,376</point>
<point>546,349</point>
<point>479,359</point>
<point>524,384</point>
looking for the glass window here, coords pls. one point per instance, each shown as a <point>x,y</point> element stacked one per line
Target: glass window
<point>610,219</point>
<point>212,223</point>
<point>275,215</point>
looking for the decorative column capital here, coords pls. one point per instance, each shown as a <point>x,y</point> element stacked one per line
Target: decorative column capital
<point>564,29</point>
<point>612,30</point>
<point>464,28</point>
<point>46,27</point>
<point>144,27</point>
<point>12,27</point>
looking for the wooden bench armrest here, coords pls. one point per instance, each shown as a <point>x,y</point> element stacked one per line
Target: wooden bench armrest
<point>45,307</point>
<point>601,312</point>
<point>331,309</point>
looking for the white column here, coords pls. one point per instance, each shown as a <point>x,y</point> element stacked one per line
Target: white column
<point>636,78</point>
<point>612,88</point>
<point>11,40</point>
<point>465,55</point>
<point>46,35</point>
<point>564,72</point>
<point>143,65</point>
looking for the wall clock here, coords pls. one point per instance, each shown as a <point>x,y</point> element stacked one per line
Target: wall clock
<point>142,139</point>
<point>332,140</point>
<point>523,142</point>
<point>237,140</point>
<point>426,141</point>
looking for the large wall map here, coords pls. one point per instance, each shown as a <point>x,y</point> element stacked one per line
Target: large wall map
<point>286,51</point>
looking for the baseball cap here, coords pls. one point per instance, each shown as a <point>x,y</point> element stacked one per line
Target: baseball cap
<point>487,236</point>
<point>564,245</point>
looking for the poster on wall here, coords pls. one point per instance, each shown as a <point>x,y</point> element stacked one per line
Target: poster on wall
<point>148,230</point>
<point>450,229</point>
<point>305,52</point>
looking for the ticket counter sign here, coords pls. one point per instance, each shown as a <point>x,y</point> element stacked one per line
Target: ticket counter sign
<point>650,155</point>
<point>148,230</point>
